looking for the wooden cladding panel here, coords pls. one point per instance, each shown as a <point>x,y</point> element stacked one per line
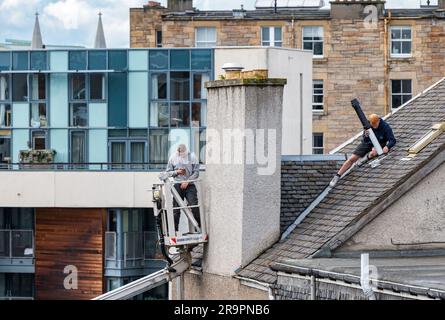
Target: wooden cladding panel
<point>69,237</point>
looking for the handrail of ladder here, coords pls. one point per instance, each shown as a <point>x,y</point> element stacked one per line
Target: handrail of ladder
<point>148,282</point>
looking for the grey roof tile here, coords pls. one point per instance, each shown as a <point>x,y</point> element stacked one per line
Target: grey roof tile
<point>355,194</point>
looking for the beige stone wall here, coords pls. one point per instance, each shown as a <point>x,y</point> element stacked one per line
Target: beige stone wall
<point>208,286</point>
<point>143,26</point>
<point>353,64</point>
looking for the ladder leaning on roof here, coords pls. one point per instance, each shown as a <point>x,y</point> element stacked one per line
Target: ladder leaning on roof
<point>163,195</point>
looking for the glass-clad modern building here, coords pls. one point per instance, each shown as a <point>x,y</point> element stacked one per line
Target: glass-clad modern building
<point>103,106</point>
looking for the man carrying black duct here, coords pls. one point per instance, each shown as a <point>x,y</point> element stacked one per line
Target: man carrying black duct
<point>378,139</point>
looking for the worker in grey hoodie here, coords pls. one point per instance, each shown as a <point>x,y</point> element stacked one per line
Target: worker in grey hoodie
<point>184,166</point>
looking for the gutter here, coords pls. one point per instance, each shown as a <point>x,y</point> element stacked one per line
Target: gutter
<point>257,285</point>
<point>353,281</point>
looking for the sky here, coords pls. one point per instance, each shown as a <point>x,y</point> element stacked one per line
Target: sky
<point>74,22</point>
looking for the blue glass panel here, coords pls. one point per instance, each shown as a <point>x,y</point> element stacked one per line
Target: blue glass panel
<point>117,100</point>
<point>158,59</point>
<point>97,60</point>
<point>20,61</point>
<point>5,61</point>
<point>201,59</point>
<point>39,60</point>
<point>78,60</point>
<point>117,60</point>
<point>180,59</point>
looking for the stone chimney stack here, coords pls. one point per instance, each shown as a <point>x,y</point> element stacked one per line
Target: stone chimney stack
<point>179,5</point>
<point>244,124</point>
<point>355,9</point>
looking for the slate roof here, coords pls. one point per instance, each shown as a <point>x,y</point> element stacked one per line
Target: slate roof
<point>289,14</point>
<point>302,180</point>
<point>357,193</point>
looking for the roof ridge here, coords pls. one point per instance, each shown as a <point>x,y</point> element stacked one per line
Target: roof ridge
<point>337,149</point>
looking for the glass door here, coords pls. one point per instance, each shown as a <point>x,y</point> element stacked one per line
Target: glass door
<point>118,154</point>
<point>137,154</point>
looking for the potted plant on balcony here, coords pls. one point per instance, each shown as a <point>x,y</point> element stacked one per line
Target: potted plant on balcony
<point>37,157</point>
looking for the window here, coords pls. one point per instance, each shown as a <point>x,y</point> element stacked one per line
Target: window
<point>313,40</point>
<point>117,60</point>
<point>158,59</point>
<point>401,41</point>
<point>39,60</point>
<point>159,86</point>
<point>199,90</point>
<point>97,60</point>
<point>5,61</point>
<point>199,114</point>
<point>118,152</point>
<point>271,37</point>
<point>97,86</point>
<point>317,143</point>
<point>317,96</point>
<point>20,87</point>
<point>38,86</point>
<point>159,144</point>
<point>159,114</point>
<point>199,143</point>
<point>180,59</point>
<point>5,150</point>
<point>180,86</point>
<point>128,150</point>
<point>20,60</point>
<point>38,117</point>
<point>78,147</point>
<point>38,140</point>
<point>201,59</point>
<point>16,286</point>
<point>180,115</point>
<point>78,115</point>
<point>4,87</point>
<point>401,92</point>
<point>5,115</point>
<point>205,37</point>
<point>78,87</point>
<point>78,60</point>
<point>158,38</point>
<point>137,152</point>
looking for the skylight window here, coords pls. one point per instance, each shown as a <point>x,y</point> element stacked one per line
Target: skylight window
<point>423,142</point>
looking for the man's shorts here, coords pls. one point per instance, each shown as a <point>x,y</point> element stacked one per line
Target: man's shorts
<point>363,149</point>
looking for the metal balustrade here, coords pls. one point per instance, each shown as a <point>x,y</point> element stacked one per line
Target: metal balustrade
<point>136,247</point>
<point>94,166</point>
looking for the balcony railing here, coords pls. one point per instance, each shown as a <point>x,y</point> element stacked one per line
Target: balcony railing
<point>15,298</point>
<point>16,244</point>
<point>137,247</point>
<point>95,166</point>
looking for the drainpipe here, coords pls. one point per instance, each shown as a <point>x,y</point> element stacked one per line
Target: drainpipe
<point>386,57</point>
<point>294,44</point>
<point>301,114</point>
<point>313,288</point>
<point>364,278</point>
<point>180,287</point>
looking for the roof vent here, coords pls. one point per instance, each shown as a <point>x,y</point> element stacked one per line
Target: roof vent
<point>435,132</point>
<point>286,4</point>
<point>239,13</point>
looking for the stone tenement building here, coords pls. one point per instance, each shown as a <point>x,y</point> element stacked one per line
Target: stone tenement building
<point>383,61</point>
